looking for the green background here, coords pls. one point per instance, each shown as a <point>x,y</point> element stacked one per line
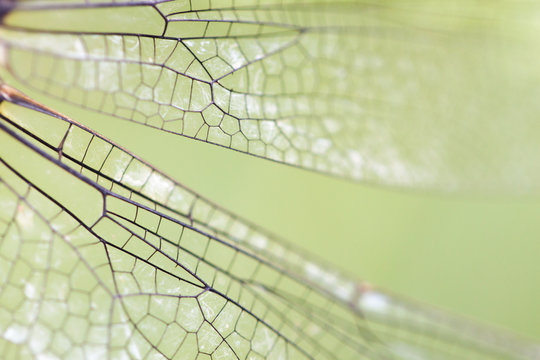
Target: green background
<point>476,256</point>
<point>473,255</point>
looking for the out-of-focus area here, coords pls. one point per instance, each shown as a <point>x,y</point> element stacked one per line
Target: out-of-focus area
<point>434,97</point>
<point>477,256</point>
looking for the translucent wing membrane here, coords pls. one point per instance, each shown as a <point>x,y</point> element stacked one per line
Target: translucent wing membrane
<point>103,256</point>
<point>419,96</point>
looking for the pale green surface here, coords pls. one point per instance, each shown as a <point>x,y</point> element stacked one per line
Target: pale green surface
<point>63,258</point>
<point>427,95</point>
<point>476,256</point>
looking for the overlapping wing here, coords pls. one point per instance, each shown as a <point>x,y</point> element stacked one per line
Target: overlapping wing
<point>104,256</point>
<point>425,95</point>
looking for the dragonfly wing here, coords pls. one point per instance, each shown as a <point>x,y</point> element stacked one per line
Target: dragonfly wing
<point>136,272</point>
<point>427,96</point>
<point>147,268</point>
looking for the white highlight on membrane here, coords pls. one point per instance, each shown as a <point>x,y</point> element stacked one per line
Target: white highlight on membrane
<point>312,270</point>
<point>115,46</point>
<point>134,349</point>
<point>118,165</point>
<point>344,291</point>
<point>286,128</point>
<point>321,146</point>
<point>16,334</point>
<point>39,339</point>
<point>67,45</point>
<point>203,48</point>
<point>108,77</point>
<point>135,178</point>
<point>341,288</point>
<point>158,187</point>
<point>356,158</point>
<point>239,231</point>
<point>269,131</point>
<point>263,340</point>
<point>406,352</point>
<point>231,51</point>
<point>47,357</point>
<point>259,241</point>
<point>373,301</point>
<point>25,217</point>
<point>128,331</point>
<point>3,55</point>
<point>30,290</point>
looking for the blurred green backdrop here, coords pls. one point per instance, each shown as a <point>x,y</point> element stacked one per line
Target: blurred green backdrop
<point>477,256</point>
